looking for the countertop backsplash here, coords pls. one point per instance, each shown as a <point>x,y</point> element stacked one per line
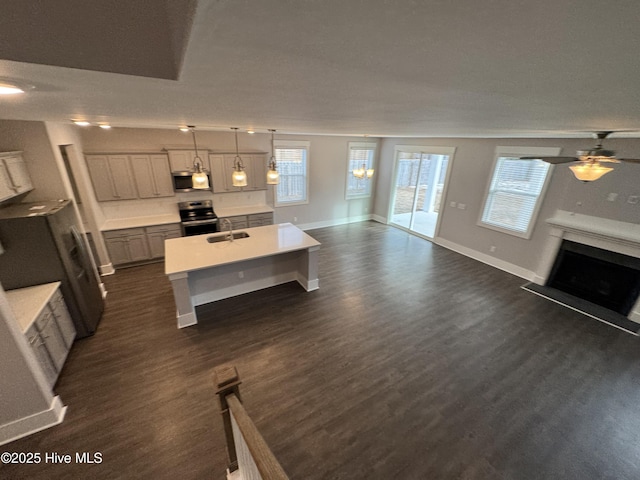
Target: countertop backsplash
<point>169,205</point>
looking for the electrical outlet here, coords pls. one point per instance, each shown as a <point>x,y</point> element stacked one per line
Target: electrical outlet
<point>612,197</point>
<point>462,206</point>
<point>633,199</point>
<point>492,248</point>
<point>240,274</point>
<point>295,219</point>
<point>453,204</point>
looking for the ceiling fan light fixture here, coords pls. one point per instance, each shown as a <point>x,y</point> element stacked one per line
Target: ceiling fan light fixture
<point>588,172</point>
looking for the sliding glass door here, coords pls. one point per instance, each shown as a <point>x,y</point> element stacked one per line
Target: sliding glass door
<point>420,177</point>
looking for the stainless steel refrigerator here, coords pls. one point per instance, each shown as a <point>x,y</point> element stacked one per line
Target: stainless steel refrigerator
<point>42,243</point>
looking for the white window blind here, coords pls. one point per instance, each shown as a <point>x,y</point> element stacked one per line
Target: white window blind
<point>515,192</point>
<point>292,164</point>
<point>360,153</point>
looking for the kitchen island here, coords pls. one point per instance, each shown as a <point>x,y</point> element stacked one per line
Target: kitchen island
<point>202,272</point>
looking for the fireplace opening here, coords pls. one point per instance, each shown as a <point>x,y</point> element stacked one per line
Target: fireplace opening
<point>608,279</point>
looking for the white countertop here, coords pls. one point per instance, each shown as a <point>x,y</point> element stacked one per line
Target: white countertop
<point>27,303</point>
<point>134,222</point>
<point>187,254</point>
<point>245,210</point>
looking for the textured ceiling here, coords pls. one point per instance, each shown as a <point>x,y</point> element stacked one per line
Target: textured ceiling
<point>377,67</point>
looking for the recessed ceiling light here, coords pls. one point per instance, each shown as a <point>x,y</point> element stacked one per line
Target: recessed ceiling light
<point>9,89</point>
<point>106,126</point>
<point>184,129</point>
<point>81,123</point>
<point>251,132</point>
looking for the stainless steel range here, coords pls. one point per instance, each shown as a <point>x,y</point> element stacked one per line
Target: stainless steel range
<point>198,217</point>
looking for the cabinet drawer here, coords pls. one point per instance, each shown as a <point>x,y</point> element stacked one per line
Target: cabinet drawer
<point>170,229</point>
<point>125,232</point>
<point>239,221</point>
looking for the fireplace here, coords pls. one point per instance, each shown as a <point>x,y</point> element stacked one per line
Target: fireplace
<point>608,279</point>
<point>592,265</point>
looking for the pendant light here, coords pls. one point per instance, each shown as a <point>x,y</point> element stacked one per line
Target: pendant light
<point>273,177</point>
<point>199,178</point>
<point>363,172</point>
<point>238,177</point>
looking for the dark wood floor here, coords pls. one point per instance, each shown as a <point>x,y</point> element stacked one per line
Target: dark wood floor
<point>410,362</point>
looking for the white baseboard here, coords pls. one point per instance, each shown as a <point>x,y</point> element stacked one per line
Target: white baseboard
<point>333,223</point>
<point>488,259</point>
<point>186,320</point>
<point>379,219</point>
<point>107,269</point>
<point>33,423</point>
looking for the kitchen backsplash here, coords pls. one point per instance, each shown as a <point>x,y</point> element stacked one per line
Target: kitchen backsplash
<point>168,205</point>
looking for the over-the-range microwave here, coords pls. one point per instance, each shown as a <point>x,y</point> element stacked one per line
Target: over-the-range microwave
<point>182,182</point>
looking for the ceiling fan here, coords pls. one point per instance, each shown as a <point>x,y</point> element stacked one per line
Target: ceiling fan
<point>588,163</point>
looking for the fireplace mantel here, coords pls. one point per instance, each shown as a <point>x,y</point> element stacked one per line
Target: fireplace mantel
<point>613,231</point>
<point>604,233</point>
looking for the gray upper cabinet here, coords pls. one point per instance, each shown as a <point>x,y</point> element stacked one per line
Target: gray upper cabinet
<point>112,177</point>
<point>258,178</point>
<point>14,177</point>
<point>222,168</point>
<point>152,175</point>
<point>182,160</point>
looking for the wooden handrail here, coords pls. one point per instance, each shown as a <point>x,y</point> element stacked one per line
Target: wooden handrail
<point>227,383</point>
<point>268,465</point>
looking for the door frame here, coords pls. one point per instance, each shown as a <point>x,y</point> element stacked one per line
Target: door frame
<point>423,150</point>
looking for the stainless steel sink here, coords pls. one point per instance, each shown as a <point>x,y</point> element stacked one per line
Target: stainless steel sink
<point>225,238</point>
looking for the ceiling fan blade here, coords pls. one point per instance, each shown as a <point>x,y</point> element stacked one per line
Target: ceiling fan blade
<point>630,160</point>
<point>552,160</point>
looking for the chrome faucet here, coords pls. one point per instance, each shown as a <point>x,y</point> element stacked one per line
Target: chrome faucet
<point>230,235</point>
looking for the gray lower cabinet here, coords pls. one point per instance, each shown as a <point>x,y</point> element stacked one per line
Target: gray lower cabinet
<point>156,236</point>
<point>248,221</point>
<point>51,336</point>
<point>127,245</point>
<point>133,245</point>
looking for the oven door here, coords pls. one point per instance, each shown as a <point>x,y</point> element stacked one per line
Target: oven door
<point>199,227</point>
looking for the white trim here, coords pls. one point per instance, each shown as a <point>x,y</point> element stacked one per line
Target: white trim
<point>107,269</point>
<point>372,146</point>
<point>335,222</point>
<point>33,423</point>
<point>295,144</point>
<point>515,152</point>
<point>486,259</point>
<point>428,150</point>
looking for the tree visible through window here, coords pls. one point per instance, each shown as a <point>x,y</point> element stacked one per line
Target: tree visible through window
<point>292,159</point>
<point>516,190</point>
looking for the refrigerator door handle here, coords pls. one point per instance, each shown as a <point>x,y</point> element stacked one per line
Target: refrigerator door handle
<point>80,256</point>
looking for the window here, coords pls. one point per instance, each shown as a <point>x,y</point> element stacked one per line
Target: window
<point>516,190</point>
<point>292,159</point>
<point>360,153</point>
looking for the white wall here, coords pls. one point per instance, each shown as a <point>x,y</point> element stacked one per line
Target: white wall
<point>470,173</point>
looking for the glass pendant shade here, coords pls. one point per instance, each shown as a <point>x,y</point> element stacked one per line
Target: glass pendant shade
<point>273,177</point>
<point>199,179</point>
<point>370,172</point>
<point>588,172</point>
<point>239,177</point>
